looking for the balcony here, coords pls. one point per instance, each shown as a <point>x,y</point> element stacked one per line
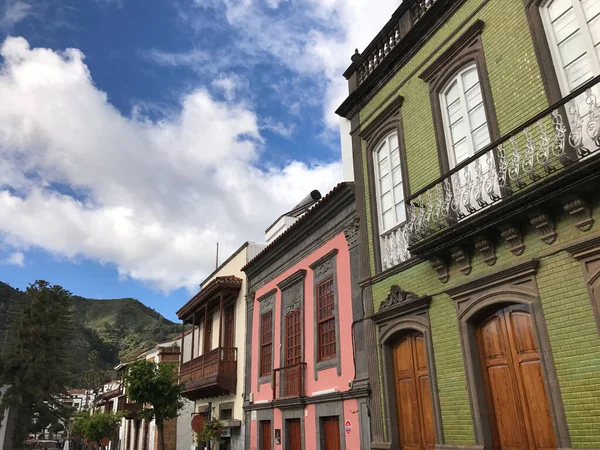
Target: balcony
<point>210,375</point>
<point>288,382</point>
<point>551,154</point>
<point>131,410</point>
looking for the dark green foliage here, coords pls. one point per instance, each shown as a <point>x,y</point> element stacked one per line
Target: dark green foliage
<point>97,427</point>
<point>155,385</point>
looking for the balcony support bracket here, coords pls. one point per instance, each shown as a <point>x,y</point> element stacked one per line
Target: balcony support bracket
<point>486,248</point>
<point>513,238</point>
<point>440,266</point>
<point>461,256</point>
<point>542,221</point>
<point>579,209</point>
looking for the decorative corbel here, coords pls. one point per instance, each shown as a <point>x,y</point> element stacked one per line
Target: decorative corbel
<point>351,233</point>
<point>461,256</point>
<point>485,246</point>
<point>513,238</point>
<point>542,221</point>
<point>441,268</point>
<point>580,210</point>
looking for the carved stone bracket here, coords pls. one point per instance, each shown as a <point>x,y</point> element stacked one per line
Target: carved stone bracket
<point>351,233</point>
<point>441,268</point>
<point>545,225</point>
<point>486,247</point>
<point>397,296</point>
<point>461,256</point>
<point>513,238</point>
<point>580,210</point>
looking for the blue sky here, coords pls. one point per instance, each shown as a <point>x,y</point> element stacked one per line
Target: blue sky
<point>135,134</point>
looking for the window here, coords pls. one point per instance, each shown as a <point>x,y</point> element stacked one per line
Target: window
<point>293,338</point>
<point>389,183</point>
<point>463,112</point>
<point>230,327</point>
<point>208,334</point>
<point>573,31</point>
<point>266,343</point>
<point>326,320</point>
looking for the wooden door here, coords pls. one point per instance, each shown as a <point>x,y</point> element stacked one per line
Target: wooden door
<point>518,406</point>
<point>230,327</point>
<point>292,376</point>
<point>413,395</point>
<point>331,433</point>
<point>265,435</point>
<point>294,434</point>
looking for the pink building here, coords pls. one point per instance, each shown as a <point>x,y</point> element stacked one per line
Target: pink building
<point>304,390</point>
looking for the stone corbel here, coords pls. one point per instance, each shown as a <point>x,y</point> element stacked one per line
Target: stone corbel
<point>485,246</point>
<point>351,233</point>
<point>542,221</point>
<point>580,210</point>
<point>441,268</point>
<point>513,238</point>
<point>461,256</point>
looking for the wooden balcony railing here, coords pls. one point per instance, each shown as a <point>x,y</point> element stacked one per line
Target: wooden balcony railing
<point>288,382</point>
<point>217,361</point>
<point>131,409</point>
<point>542,149</point>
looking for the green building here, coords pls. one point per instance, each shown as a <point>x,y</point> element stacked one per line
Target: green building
<point>475,131</point>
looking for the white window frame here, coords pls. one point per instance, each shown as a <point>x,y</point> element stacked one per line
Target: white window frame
<point>386,141</point>
<point>463,101</point>
<point>553,44</point>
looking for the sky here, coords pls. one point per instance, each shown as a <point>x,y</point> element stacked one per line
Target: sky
<point>136,134</point>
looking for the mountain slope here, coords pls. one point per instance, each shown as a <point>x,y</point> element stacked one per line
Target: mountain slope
<point>117,329</point>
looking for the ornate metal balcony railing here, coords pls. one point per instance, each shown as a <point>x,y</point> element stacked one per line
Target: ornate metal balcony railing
<point>218,360</point>
<point>288,382</point>
<point>394,246</point>
<point>388,38</point>
<point>541,148</point>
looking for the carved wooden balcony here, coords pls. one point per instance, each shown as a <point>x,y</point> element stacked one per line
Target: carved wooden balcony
<point>130,409</point>
<point>210,375</point>
<point>288,382</point>
<point>553,153</point>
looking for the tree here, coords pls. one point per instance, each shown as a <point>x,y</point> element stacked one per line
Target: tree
<point>97,427</point>
<point>94,376</point>
<point>155,385</point>
<point>36,359</point>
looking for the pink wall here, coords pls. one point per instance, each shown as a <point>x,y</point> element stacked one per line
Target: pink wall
<point>328,378</point>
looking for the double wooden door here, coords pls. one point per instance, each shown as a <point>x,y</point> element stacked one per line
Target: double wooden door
<point>413,395</point>
<point>330,430</point>
<point>518,406</point>
<point>294,434</point>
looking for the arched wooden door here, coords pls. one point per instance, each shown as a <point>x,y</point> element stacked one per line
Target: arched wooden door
<point>518,406</point>
<point>413,396</point>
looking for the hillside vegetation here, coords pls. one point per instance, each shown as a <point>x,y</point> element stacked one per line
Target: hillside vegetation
<point>117,329</point>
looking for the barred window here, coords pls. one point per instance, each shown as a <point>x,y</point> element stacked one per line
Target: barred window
<point>266,343</point>
<point>326,320</point>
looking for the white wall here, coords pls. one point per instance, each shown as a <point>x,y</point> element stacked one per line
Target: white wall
<point>184,429</point>
<point>346,142</point>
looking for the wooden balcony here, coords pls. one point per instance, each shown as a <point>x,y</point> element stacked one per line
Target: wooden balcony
<point>288,382</point>
<point>210,375</point>
<point>130,409</point>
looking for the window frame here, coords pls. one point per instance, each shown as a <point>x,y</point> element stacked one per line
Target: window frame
<point>389,120</point>
<point>266,304</point>
<point>329,319</point>
<point>451,157</point>
<point>263,345</point>
<point>466,50</point>
<point>207,344</point>
<point>559,69</point>
<point>323,269</point>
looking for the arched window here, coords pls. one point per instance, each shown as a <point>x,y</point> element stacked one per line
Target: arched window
<point>573,31</point>
<point>389,183</point>
<point>463,112</point>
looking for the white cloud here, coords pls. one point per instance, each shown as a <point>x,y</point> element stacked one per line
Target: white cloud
<point>151,197</point>
<point>314,38</point>
<point>13,12</point>
<point>15,259</point>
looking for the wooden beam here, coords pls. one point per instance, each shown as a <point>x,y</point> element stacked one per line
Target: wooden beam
<point>220,320</point>
<point>206,344</point>
<point>193,334</point>
<point>182,342</point>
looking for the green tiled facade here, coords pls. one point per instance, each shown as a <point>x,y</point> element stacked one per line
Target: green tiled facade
<point>518,94</point>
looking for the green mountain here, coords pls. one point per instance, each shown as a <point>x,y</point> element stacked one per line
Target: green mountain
<point>117,329</point>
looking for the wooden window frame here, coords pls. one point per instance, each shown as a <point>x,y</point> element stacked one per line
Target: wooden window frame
<point>388,121</point>
<point>467,49</point>
<point>207,347</point>
<point>229,326</point>
<point>266,303</point>
<point>322,321</point>
<point>264,345</point>
<point>291,320</point>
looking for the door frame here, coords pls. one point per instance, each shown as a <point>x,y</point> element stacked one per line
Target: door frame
<point>287,414</point>
<point>330,409</point>
<point>477,299</point>
<point>406,312</point>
